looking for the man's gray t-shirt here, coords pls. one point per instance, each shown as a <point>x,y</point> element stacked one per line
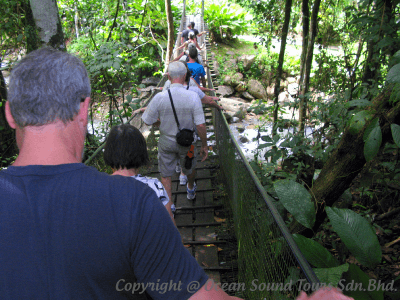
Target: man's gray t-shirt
<point>188,109</point>
<point>167,84</point>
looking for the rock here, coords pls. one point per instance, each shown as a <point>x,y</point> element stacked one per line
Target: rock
<point>270,90</point>
<point>240,129</point>
<point>235,119</point>
<point>231,65</point>
<point>247,96</point>
<point>228,117</point>
<point>241,87</point>
<point>241,114</point>
<point>151,81</point>
<point>225,90</point>
<point>237,78</point>
<point>227,80</point>
<point>243,139</point>
<point>256,89</point>
<point>291,80</point>
<point>283,97</point>
<point>233,105</point>
<point>216,68</point>
<point>230,53</point>
<point>247,60</point>
<point>147,89</point>
<point>144,95</point>
<point>284,84</point>
<point>293,88</point>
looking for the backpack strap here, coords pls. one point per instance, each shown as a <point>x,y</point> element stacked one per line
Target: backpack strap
<point>173,109</point>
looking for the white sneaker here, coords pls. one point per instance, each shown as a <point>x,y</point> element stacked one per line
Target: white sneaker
<point>178,168</point>
<point>191,194</point>
<point>183,179</point>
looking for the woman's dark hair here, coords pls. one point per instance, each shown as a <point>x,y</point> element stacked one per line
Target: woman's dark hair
<point>125,148</point>
<point>188,72</point>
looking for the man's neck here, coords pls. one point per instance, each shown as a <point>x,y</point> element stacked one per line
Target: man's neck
<point>191,60</point>
<point>52,144</point>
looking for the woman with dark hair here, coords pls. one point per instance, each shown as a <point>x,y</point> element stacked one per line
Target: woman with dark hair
<point>125,152</point>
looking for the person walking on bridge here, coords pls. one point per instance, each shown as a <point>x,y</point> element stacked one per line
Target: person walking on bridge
<point>190,115</point>
<point>198,72</point>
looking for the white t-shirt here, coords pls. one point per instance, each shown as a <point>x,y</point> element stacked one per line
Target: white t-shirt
<point>156,185</point>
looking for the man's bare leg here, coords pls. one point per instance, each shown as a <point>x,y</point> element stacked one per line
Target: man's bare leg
<point>191,178</point>
<point>166,181</point>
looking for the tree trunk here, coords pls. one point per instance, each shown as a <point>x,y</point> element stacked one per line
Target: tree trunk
<point>288,9</point>
<point>47,20</point>
<point>170,22</point>
<point>305,33</point>
<point>308,65</point>
<point>32,38</point>
<point>347,161</point>
<point>76,19</point>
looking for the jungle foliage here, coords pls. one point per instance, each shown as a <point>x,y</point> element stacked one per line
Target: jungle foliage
<point>352,107</point>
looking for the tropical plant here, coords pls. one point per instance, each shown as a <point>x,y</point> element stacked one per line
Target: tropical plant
<point>225,18</point>
<point>355,232</point>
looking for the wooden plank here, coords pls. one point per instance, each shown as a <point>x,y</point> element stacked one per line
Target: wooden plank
<point>214,275</point>
<point>182,200</point>
<point>205,217</point>
<point>183,219</point>
<point>205,198</point>
<point>186,233</point>
<point>205,234</point>
<point>207,256</point>
<point>203,184</point>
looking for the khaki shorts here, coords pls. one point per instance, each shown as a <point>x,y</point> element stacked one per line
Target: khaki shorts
<point>169,154</point>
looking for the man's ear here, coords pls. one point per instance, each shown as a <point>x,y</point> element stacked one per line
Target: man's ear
<point>83,110</point>
<point>9,117</point>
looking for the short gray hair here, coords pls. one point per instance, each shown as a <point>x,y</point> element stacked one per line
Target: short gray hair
<point>47,85</point>
<point>176,70</point>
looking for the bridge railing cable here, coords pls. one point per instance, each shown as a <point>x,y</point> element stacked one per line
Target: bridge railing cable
<point>268,256</point>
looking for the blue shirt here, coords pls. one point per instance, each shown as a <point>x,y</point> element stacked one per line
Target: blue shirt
<point>197,71</point>
<point>71,232</point>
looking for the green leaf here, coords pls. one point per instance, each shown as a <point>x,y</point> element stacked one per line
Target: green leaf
<point>359,103</point>
<point>357,284</point>
<point>116,65</point>
<point>372,125</point>
<point>297,200</point>
<point>373,143</point>
<point>393,74</point>
<point>331,276</point>
<point>315,253</point>
<point>396,133</point>
<point>395,59</point>
<point>262,146</point>
<point>357,234</point>
<point>358,121</point>
<point>266,138</point>
<point>395,94</point>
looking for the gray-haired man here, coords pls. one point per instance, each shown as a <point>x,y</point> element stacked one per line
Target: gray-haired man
<point>190,116</point>
<point>67,230</point>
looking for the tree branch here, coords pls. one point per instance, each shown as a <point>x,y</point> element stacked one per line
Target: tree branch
<point>162,50</point>
<point>347,160</point>
<point>114,23</point>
